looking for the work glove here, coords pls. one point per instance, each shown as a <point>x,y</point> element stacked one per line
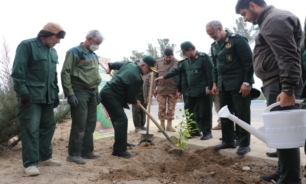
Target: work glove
<point>73,101</point>
<point>98,97</point>
<point>25,100</point>
<point>56,102</point>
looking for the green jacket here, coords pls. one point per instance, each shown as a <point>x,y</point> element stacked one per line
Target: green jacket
<point>232,60</point>
<point>81,69</point>
<point>126,84</point>
<point>181,80</point>
<point>34,71</point>
<point>198,72</point>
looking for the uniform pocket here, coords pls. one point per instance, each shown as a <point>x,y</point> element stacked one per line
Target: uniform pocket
<point>36,90</point>
<point>39,62</point>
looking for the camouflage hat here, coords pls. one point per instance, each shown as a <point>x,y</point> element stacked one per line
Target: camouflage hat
<point>186,45</point>
<point>150,61</point>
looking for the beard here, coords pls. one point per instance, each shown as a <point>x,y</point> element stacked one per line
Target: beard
<point>254,17</point>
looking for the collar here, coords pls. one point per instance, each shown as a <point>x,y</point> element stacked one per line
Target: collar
<point>40,43</point>
<point>165,62</point>
<point>264,14</point>
<point>85,50</point>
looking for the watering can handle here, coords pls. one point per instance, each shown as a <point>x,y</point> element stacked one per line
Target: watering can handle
<point>268,109</point>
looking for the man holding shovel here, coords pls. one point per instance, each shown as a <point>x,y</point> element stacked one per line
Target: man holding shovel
<point>121,91</point>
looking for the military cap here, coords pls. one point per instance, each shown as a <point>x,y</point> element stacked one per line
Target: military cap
<point>255,93</point>
<point>186,45</point>
<point>150,61</point>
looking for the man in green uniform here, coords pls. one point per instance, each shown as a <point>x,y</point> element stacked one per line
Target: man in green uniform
<point>233,77</point>
<point>35,82</point>
<point>198,68</point>
<point>80,81</point>
<point>181,82</point>
<point>121,91</point>
<point>139,117</point>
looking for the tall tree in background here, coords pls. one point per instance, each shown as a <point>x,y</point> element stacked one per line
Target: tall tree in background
<point>151,50</point>
<point>242,29</point>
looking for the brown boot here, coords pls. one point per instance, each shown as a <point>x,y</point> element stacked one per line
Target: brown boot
<point>162,124</point>
<point>169,126</point>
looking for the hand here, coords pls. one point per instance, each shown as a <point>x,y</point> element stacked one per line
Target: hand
<point>25,100</point>
<point>73,101</point>
<point>138,103</point>
<point>214,90</point>
<point>159,78</point>
<point>98,98</point>
<point>244,90</point>
<point>56,102</point>
<point>208,92</point>
<point>154,92</point>
<point>285,99</point>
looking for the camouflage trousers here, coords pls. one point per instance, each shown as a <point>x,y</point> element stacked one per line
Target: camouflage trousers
<point>166,106</point>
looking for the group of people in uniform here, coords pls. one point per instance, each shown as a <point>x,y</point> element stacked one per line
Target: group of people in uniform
<point>227,73</point>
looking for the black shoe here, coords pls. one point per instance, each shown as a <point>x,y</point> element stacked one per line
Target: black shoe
<point>196,134</point>
<point>90,155</point>
<point>273,177</point>
<point>237,142</point>
<point>122,154</point>
<point>225,146</point>
<point>143,128</point>
<point>137,129</point>
<point>130,145</point>
<point>272,154</point>
<point>206,137</point>
<point>243,150</point>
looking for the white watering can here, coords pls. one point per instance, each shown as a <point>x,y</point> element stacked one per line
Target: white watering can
<point>281,130</point>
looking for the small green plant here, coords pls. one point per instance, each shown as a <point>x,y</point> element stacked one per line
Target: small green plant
<point>184,129</point>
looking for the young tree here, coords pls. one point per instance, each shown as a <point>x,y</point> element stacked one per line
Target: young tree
<point>242,29</point>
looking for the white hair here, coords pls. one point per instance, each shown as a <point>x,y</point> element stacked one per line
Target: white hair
<point>215,24</point>
<point>95,35</point>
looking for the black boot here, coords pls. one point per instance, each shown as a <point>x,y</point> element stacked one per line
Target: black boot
<point>270,178</point>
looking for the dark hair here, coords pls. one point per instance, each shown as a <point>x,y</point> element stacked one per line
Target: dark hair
<point>168,52</point>
<point>244,4</point>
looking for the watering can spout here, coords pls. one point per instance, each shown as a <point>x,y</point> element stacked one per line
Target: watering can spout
<point>225,113</point>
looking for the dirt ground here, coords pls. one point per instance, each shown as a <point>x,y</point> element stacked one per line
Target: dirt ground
<point>149,164</point>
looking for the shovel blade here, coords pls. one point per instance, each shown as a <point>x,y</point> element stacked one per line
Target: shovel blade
<point>147,138</point>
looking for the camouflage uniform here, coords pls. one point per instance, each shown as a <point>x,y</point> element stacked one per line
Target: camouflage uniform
<point>166,93</point>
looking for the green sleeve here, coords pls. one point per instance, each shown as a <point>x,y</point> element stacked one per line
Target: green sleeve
<point>214,70</point>
<point>67,71</point>
<point>245,56</point>
<point>116,65</point>
<point>175,71</point>
<point>56,80</point>
<point>208,71</point>
<point>304,59</point>
<point>133,86</point>
<point>19,70</point>
<point>179,79</point>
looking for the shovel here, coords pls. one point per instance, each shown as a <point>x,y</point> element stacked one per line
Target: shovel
<point>156,123</point>
<point>148,137</point>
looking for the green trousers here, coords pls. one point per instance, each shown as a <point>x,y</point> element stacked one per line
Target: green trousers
<point>37,126</point>
<point>201,107</point>
<point>139,117</point>
<point>240,106</point>
<point>119,120</point>
<point>84,118</point>
<point>288,159</point>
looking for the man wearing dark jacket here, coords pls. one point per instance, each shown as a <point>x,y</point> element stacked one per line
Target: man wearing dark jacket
<point>277,62</point>
<point>121,91</point>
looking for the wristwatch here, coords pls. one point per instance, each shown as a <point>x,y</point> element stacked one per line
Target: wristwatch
<point>288,91</point>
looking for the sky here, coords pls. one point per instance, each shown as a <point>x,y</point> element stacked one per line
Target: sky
<point>126,24</point>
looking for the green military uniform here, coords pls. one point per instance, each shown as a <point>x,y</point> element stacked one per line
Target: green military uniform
<point>304,72</point>
<point>139,117</point>
<point>34,73</point>
<point>80,77</point>
<point>232,60</point>
<point>199,78</point>
<point>116,94</point>
<point>181,82</point>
